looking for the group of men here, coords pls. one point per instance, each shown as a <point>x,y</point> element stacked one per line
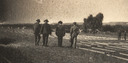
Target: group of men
<point>46,30</point>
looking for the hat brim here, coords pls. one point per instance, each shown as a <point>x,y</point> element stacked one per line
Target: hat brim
<point>46,21</point>
<point>60,22</point>
<point>38,20</point>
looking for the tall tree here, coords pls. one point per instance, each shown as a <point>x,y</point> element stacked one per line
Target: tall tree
<point>85,25</point>
<point>99,17</point>
<point>93,23</point>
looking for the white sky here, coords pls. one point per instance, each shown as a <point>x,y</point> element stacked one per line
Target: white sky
<point>27,11</point>
<point>76,10</point>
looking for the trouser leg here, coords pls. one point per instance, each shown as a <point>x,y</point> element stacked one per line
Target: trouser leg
<point>124,37</point>
<point>119,37</point>
<point>75,41</point>
<point>60,41</point>
<point>38,39</point>
<point>46,39</point>
<point>35,39</point>
<point>43,40</point>
<point>72,40</point>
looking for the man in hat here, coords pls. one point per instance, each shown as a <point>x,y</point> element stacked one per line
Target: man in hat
<point>60,32</point>
<point>119,34</point>
<point>125,35</point>
<point>74,31</point>
<point>37,27</point>
<point>46,31</point>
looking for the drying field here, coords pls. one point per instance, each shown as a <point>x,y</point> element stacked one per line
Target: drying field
<point>17,46</point>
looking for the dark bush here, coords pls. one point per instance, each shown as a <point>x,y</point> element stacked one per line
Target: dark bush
<point>108,28</point>
<point>114,28</point>
<point>6,40</point>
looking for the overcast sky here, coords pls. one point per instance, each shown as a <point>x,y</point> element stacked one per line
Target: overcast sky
<point>76,10</point>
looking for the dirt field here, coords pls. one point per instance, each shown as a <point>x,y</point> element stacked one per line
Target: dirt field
<point>17,46</point>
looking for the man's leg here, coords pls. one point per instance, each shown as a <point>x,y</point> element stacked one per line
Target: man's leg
<point>61,39</point>
<point>125,37</point>
<point>58,41</point>
<point>38,39</point>
<point>72,40</point>
<point>119,37</point>
<point>35,39</point>
<point>44,40</point>
<point>75,41</point>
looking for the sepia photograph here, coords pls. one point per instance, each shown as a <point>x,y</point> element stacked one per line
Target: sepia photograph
<point>63,31</point>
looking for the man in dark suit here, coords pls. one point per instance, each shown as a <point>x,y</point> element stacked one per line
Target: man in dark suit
<point>60,32</point>
<point>46,31</point>
<point>37,31</point>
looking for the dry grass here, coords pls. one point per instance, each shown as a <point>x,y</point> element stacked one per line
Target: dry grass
<point>24,51</point>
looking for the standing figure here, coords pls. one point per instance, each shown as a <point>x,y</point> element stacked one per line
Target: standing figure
<point>125,35</point>
<point>37,27</point>
<point>74,31</point>
<point>60,32</point>
<point>119,35</point>
<point>45,30</point>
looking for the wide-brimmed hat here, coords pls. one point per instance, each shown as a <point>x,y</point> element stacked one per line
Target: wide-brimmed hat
<point>46,20</point>
<point>74,23</point>
<point>38,20</point>
<point>60,22</point>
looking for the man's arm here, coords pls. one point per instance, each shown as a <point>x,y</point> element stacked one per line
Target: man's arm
<point>78,30</point>
<point>41,29</point>
<point>50,30</point>
<point>34,28</point>
<point>71,30</point>
<point>56,30</point>
<point>64,31</point>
